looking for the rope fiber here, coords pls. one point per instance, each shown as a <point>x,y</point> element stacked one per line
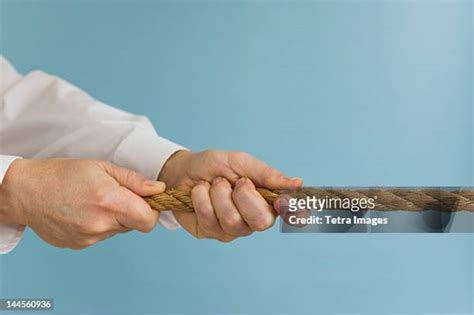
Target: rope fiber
<point>386,199</point>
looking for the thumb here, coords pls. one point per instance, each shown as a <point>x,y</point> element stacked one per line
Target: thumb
<point>262,174</point>
<point>273,179</point>
<point>134,181</point>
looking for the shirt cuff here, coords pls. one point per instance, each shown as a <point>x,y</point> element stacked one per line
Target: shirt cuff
<point>10,234</point>
<point>145,152</point>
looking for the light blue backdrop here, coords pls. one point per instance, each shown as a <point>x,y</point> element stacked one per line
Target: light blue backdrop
<point>338,92</point>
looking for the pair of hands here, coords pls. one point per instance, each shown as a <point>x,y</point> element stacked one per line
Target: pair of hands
<point>77,203</point>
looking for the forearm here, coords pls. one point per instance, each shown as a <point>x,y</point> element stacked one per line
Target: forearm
<point>45,116</point>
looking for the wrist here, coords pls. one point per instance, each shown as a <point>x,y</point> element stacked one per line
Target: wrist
<point>10,202</point>
<point>173,169</point>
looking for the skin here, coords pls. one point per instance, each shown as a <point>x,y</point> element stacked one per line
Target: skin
<point>75,203</point>
<point>222,185</point>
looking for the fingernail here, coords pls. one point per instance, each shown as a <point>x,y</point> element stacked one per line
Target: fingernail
<point>154,183</point>
<point>295,178</point>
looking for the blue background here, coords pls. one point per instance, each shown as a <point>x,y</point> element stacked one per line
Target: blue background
<point>338,92</point>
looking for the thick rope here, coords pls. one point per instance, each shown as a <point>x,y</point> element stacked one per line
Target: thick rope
<point>386,199</point>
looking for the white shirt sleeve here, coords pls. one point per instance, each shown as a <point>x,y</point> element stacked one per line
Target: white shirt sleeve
<point>10,234</point>
<point>43,116</point>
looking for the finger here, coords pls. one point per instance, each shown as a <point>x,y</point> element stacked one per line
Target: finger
<point>119,228</point>
<point>261,174</point>
<point>205,215</point>
<point>282,206</point>
<point>258,214</point>
<point>134,181</point>
<point>190,223</point>
<point>227,213</point>
<point>131,211</point>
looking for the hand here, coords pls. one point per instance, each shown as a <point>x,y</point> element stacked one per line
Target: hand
<point>222,186</point>
<point>76,203</point>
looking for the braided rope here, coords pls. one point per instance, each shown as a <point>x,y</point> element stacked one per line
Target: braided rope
<point>386,199</point>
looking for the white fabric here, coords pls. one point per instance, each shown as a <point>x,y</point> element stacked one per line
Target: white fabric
<point>10,234</point>
<point>43,116</point>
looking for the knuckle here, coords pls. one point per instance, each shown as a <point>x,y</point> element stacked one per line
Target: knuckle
<point>148,226</point>
<point>226,238</point>
<point>268,174</point>
<point>232,222</point>
<point>130,176</point>
<point>239,158</point>
<point>218,182</point>
<point>143,219</point>
<point>235,227</point>
<point>222,184</point>
<point>88,226</point>
<point>240,155</point>
<point>97,227</point>
<point>241,190</point>
<point>102,199</point>
<point>269,171</point>
<point>263,223</point>
<point>200,187</point>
